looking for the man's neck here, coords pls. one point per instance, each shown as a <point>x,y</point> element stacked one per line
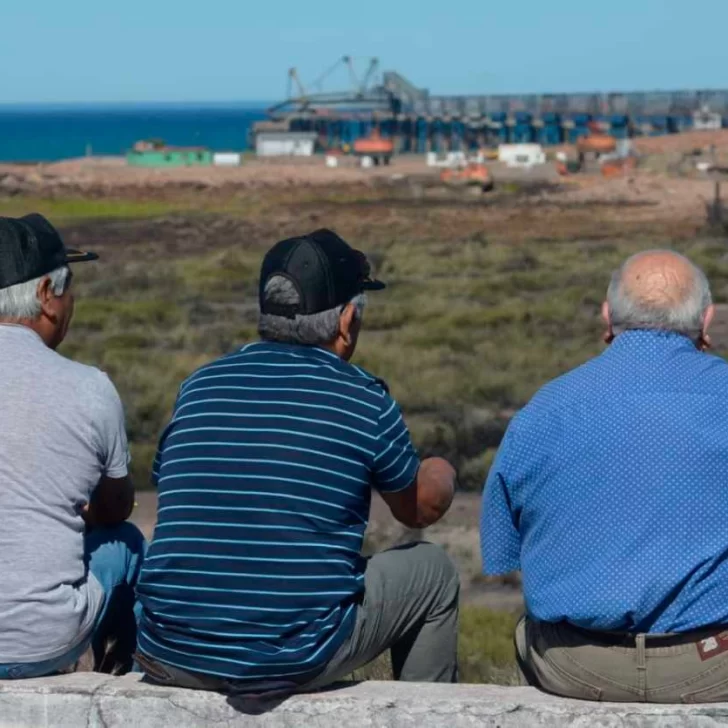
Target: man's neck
<point>338,348</point>
<point>625,335</point>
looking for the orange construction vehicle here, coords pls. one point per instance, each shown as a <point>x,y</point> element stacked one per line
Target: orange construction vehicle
<point>618,167</point>
<point>471,174</point>
<point>374,146</point>
<point>596,142</point>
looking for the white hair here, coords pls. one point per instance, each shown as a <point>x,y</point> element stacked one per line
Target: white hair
<point>685,317</point>
<point>314,329</point>
<point>21,300</point>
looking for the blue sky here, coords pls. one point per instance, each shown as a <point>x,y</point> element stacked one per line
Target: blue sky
<point>230,50</point>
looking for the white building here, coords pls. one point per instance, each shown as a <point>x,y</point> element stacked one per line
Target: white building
<point>227,159</point>
<point>707,120</point>
<point>521,155</point>
<point>285,143</point>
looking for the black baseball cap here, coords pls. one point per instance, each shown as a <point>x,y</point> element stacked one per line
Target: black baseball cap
<point>325,270</point>
<point>30,247</point>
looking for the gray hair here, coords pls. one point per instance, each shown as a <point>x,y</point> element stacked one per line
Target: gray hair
<point>686,317</point>
<point>21,300</point>
<point>315,329</point>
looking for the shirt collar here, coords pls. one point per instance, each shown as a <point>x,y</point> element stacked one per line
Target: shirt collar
<point>652,337</point>
<point>300,349</point>
<point>7,329</point>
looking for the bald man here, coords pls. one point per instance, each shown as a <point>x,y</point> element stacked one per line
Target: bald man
<point>610,494</point>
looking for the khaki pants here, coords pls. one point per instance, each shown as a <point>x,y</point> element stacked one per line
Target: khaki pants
<point>574,663</point>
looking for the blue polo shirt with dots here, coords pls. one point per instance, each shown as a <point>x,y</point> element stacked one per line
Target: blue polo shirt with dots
<point>265,475</point>
<point>610,491</point>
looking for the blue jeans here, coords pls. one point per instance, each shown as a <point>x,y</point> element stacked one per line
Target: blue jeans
<point>114,556</point>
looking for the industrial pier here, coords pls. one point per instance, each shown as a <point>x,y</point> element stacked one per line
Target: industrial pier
<point>417,122</point>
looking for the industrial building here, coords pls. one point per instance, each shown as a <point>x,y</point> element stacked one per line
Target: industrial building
<point>419,122</point>
<point>154,154</point>
<point>277,143</point>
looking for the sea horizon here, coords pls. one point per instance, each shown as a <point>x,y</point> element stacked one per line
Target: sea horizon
<point>129,105</point>
<point>52,132</point>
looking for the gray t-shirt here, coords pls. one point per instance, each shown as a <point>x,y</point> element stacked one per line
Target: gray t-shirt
<point>61,429</point>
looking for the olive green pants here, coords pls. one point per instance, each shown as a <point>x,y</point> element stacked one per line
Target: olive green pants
<point>679,668</point>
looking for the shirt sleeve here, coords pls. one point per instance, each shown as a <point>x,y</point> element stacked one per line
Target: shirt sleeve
<point>396,461</point>
<point>157,464</point>
<point>500,542</point>
<point>110,424</point>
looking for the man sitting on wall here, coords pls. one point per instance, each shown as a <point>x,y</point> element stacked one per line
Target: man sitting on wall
<point>254,580</point>
<point>609,491</point>
<point>63,466</point>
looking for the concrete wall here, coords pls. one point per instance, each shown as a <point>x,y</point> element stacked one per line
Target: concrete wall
<point>99,701</point>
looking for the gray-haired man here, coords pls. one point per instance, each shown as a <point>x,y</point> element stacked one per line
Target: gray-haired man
<point>609,492</point>
<point>63,468</point>
<point>254,580</point>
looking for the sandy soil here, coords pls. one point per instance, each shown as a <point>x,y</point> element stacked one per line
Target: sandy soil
<point>649,187</point>
<point>646,193</point>
<point>113,173</point>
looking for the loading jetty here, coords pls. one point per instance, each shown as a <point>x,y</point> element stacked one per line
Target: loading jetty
<point>417,122</point>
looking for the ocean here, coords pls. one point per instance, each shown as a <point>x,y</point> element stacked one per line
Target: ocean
<point>46,134</point>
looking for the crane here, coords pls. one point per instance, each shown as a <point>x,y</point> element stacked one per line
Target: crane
<point>363,93</point>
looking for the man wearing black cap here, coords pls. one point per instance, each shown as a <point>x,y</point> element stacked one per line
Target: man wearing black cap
<point>63,467</point>
<point>254,582</point>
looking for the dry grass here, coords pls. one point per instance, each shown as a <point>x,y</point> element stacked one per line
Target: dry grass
<point>487,299</point>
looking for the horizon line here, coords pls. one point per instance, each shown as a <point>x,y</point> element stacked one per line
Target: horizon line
<point>254,104</point>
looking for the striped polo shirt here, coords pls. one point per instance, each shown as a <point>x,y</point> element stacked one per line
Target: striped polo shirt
<point>264,476</point>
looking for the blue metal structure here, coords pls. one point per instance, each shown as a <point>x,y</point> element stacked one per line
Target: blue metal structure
<point>419,122</point>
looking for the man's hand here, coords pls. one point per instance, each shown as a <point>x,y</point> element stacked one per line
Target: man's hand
<point>112,502</point>
<point>428,499</point>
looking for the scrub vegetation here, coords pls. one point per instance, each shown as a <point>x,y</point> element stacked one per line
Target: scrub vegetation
<point>486,301</point>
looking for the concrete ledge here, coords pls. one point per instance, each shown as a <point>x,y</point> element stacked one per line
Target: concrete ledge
<point>98,701</point>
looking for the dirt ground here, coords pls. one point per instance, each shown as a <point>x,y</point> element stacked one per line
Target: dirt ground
<point>112,173</point>
<point>646,201</point>
<point>100,175</point>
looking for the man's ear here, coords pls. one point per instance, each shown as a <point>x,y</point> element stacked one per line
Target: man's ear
<point>46,297</point>
<point>704,342</point>
<point>607,318</point>
<point>346,323</point>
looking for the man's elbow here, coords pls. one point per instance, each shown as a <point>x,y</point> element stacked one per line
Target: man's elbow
<point>111,504</point>
<point>426,515</point>
<point>429,498</point>
<point>436,481</point>
<point>414,521</point>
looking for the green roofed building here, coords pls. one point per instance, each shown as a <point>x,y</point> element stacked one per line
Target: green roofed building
<point>155,153</point>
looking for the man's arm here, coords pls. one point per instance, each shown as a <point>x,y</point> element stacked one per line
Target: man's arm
<point>112,502</point>
<point>500,541</point>
<point>428,498</point>
<point>417,493</point>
